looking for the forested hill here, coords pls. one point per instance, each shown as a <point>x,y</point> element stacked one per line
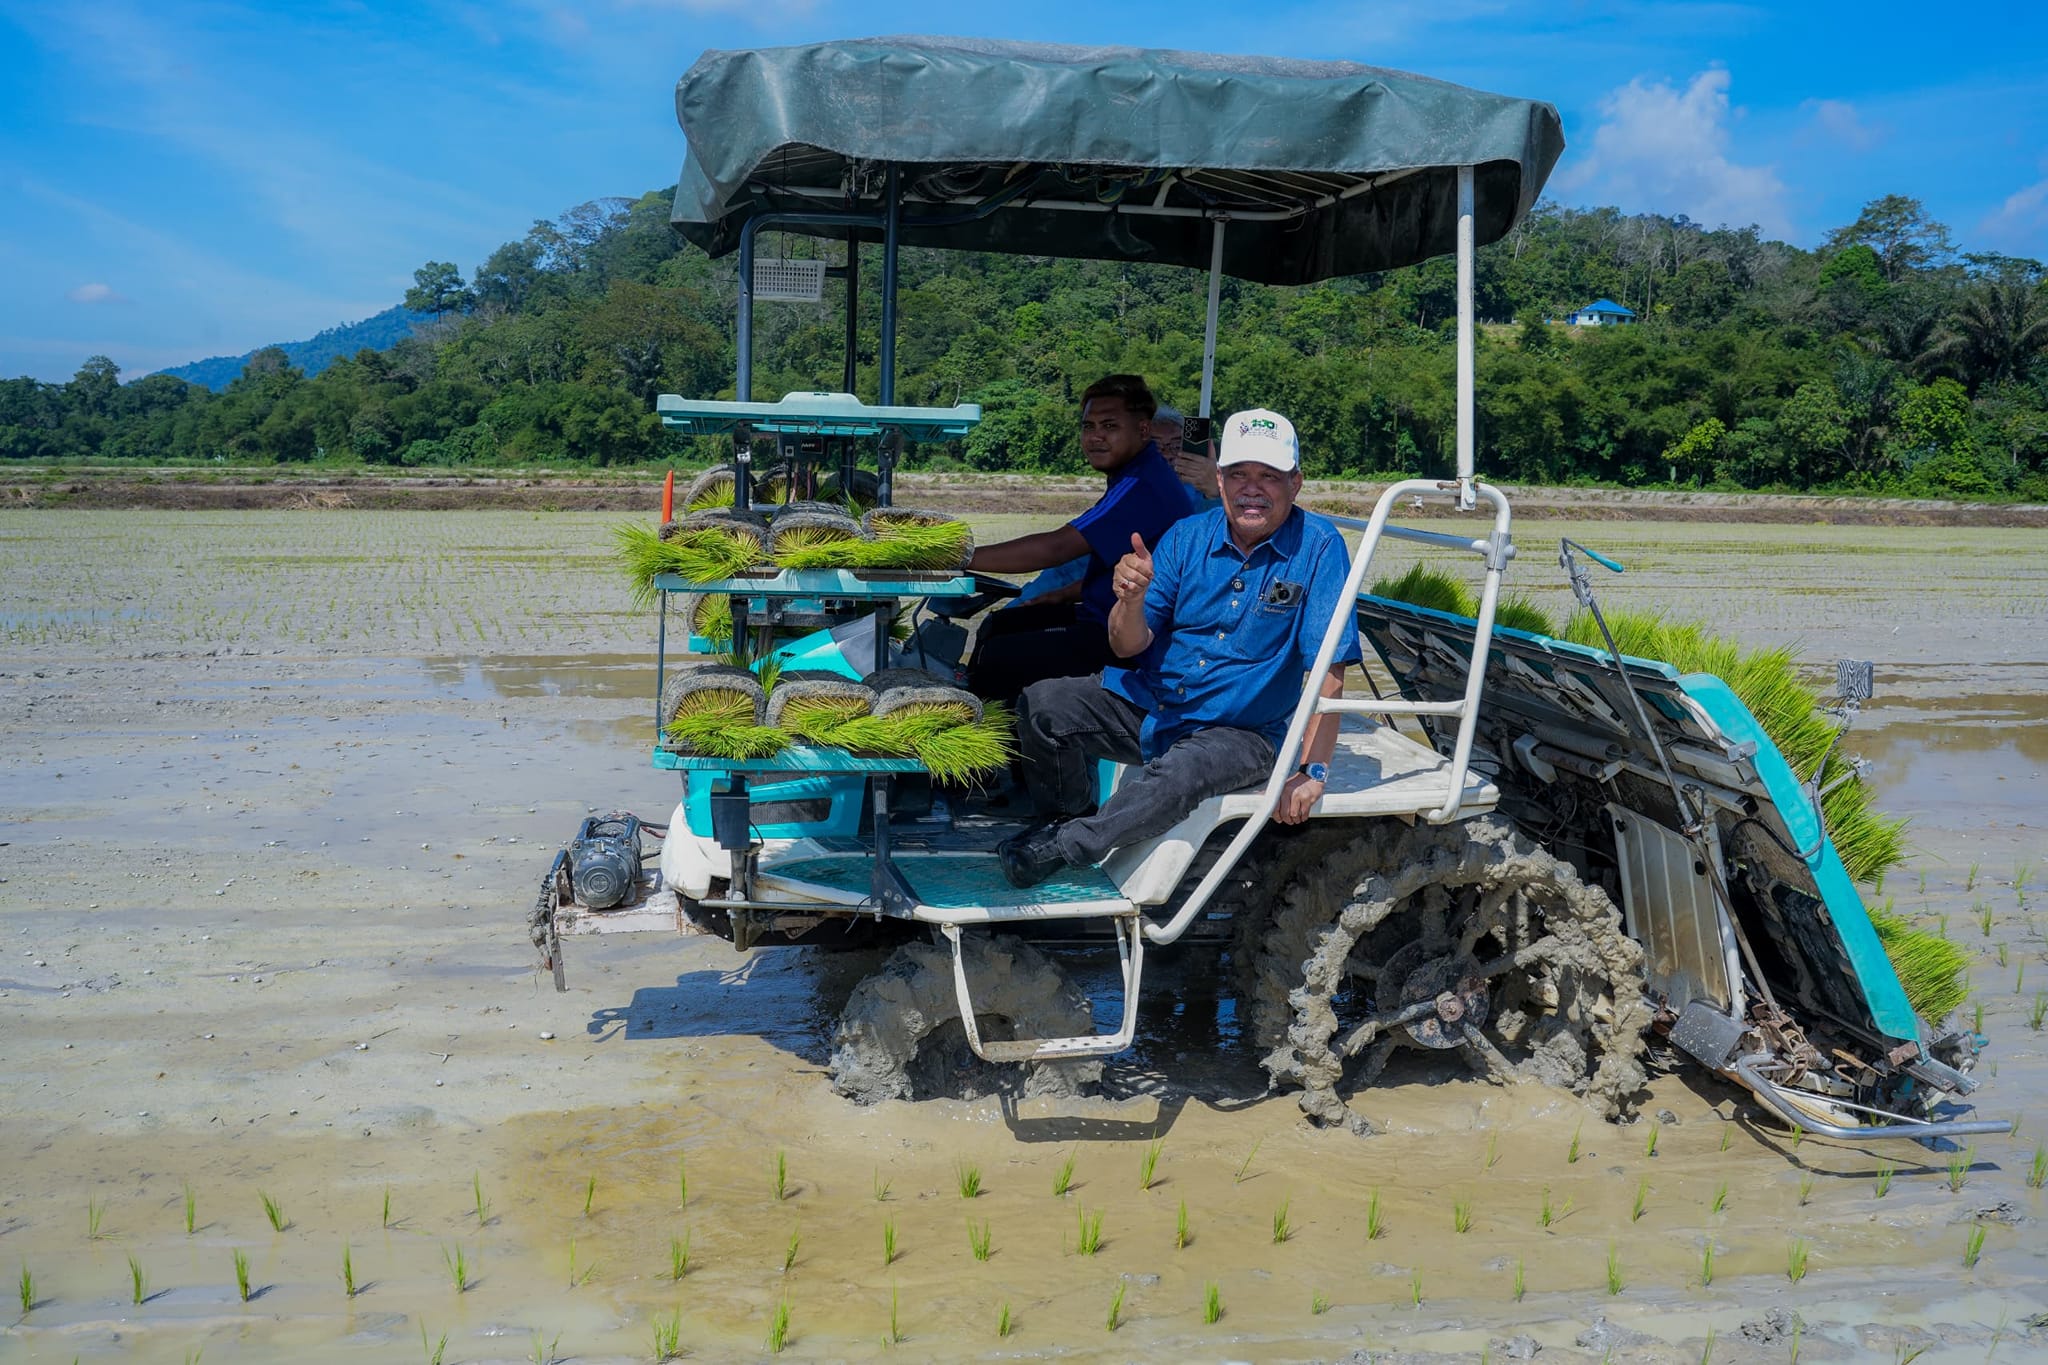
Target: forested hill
<point>377,333</point>
<point>1887,359</point>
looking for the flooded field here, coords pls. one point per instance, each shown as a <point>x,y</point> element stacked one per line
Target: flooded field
<point>282,1082</point>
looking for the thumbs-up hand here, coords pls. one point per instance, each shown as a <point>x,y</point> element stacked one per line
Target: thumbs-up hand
<point>1133,572</point>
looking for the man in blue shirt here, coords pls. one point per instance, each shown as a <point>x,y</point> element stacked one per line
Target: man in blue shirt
<point>1223,620</point>
<point>1070,635</point>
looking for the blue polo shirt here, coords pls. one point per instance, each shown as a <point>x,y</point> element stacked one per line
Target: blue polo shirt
<point>1144,496</point>
<point>1234,634</point>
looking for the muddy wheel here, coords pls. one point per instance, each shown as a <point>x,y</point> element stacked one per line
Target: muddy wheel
<point>1463,939</point>
<point>1251,894</point>
<point>900,1035</point>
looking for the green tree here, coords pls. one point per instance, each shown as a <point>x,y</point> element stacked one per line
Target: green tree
<point>1998,331</point>
<point>1898,228</point>
<point>437,288</point>
<point>1694,452</point>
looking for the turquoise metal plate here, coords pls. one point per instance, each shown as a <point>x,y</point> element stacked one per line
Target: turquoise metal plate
<point>797,758</point>
<point>829,583</point>
<point>824,414</point>
<point>951,883</point>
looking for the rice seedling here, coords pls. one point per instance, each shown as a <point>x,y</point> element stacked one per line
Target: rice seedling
<point>1088,1238</point>
<point>979,1239</point>
<point>1149,1163</point>
<point>1063,1178</point>
<point>2002,957</point>
<point>589,1194</point>
<point>1116,1308</point>
<point>2038,1015</point>
<point>138,1283</point>
<point>1727,1135</point>
<point>778,1326</point>
<point>880,1187</point>
<point>1003,1319</point>
<point>668,1336</point>
<point>1492,1150</point>
<point>27,1289</point>
<point>387,1207</point>
<point>895,1331</point>
<point>1970,879</point>
<point>1415,1288</point>
<point>1246,1165</point>
<point>2019,980</point>
<point>1461,1215</point>
<point>969,1178</point>
<point>1901,1355</point>
<point>95,1213</point>
<point>1282,1229</point>
<point>579,1275</point>
<point>1707,1351</point>
<point>1571,1155</point>
<point>1432,589</point>
<point>1884,1179</point>
<point>781,1183</point>
<point>1650,1143</point>
<point>1615,1281</point>
<point>1720,1199</point>
<point>1805,1190</point>
<point>242,1275</point>
<point>1180,1227</point>
<point>902,540</point>
<point>1212,1304</point>
<point>1982,909</point>
<point>483,1205</point>
<point>1928,965</point>
<point>434,1350</point>
<point>458,1266</point>
<point>1973,1246</point>
<point>1642,1200</point>
<point>348,1271</point>
<point>1941,925</point>
<point>1707,1263</point>
<point>1521,1285</point>
<point>1795,1260</point>
<point>191,1209</point>
<point>1375,1217</point>
<point>542,1351</point>
<point>2037,1169</point>
<point>789,1252</point>
<point>1798,1136</point>
<point>1317,1304</point>
<point>1959,1164</point>
<point>2022,873</point>
<point>273,1213</point>
<point>1548,1213</point>
<point>679,1256</point>
<point>1977,1017</point>
<point>888,1241</point>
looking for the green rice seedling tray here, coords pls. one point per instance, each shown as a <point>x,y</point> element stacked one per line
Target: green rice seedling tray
<point>841,583</point>
<point>797,758</point>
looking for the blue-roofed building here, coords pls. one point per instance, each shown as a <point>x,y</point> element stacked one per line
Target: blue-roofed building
<point>1601,313</point>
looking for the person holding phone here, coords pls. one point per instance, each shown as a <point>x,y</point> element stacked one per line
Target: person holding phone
<point>1221,619</point>
<point>1184,441</point>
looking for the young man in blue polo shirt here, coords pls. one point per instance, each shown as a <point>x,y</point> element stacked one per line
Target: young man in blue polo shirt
<point>1222,619</point>
<point>1070,635</point>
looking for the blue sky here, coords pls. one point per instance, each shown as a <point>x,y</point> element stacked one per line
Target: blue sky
<point>181,179</point>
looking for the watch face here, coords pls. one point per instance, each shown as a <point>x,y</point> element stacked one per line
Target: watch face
<point>1319,772</point>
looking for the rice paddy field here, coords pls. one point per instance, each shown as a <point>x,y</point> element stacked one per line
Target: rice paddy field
<point>281,1080</point>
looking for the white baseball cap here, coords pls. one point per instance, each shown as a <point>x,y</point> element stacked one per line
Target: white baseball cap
<point>1259,436</point>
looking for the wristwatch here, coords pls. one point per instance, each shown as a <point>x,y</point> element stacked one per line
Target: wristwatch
<point>1315,772</point>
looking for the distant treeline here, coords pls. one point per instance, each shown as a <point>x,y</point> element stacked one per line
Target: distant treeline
<point>1884,361</point>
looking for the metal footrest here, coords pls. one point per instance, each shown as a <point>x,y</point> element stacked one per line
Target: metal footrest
<point>1130,947</point>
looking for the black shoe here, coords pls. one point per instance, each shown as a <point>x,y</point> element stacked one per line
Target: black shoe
<point>1029,858</point>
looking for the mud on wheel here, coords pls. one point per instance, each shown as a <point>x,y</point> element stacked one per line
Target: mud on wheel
<point>1463,939</point>
<point>900,1035</point>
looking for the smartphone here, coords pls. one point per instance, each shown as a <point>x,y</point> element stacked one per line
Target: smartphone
<point>1195,436</point>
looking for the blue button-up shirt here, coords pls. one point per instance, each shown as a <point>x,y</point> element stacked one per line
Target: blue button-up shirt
<point>1234,634</point>
<point>1146,497</point>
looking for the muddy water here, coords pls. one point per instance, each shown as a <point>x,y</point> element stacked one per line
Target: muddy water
<point>278,788</point>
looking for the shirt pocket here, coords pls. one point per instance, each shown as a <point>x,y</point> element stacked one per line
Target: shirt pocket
<point>1266,629</point>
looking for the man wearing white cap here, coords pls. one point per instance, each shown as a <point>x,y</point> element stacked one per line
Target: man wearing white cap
<point>1221,621</point>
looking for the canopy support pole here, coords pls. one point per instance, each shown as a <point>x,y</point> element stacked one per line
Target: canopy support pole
<point>1465,328</point>
<point>852,309</point>
<point>1209,327</point>
<point>892,218</point>
<point>743,381</point>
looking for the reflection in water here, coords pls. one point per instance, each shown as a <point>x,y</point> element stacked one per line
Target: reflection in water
<point>610,676</point>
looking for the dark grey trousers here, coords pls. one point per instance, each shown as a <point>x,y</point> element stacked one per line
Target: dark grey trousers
<point>1065,724</point>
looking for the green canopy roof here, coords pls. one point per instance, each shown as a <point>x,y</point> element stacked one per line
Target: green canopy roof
<point>1325,168</point>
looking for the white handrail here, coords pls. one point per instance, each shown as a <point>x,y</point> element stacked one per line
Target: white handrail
<point>1497,549</point>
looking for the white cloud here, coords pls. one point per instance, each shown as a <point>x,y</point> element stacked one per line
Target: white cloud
<point>2020,224</point>
<point>1839,121</point>
<point>96,293</point>
<point>1659,149</point>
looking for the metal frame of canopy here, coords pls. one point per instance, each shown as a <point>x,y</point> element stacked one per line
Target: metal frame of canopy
<point>889,220</point>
